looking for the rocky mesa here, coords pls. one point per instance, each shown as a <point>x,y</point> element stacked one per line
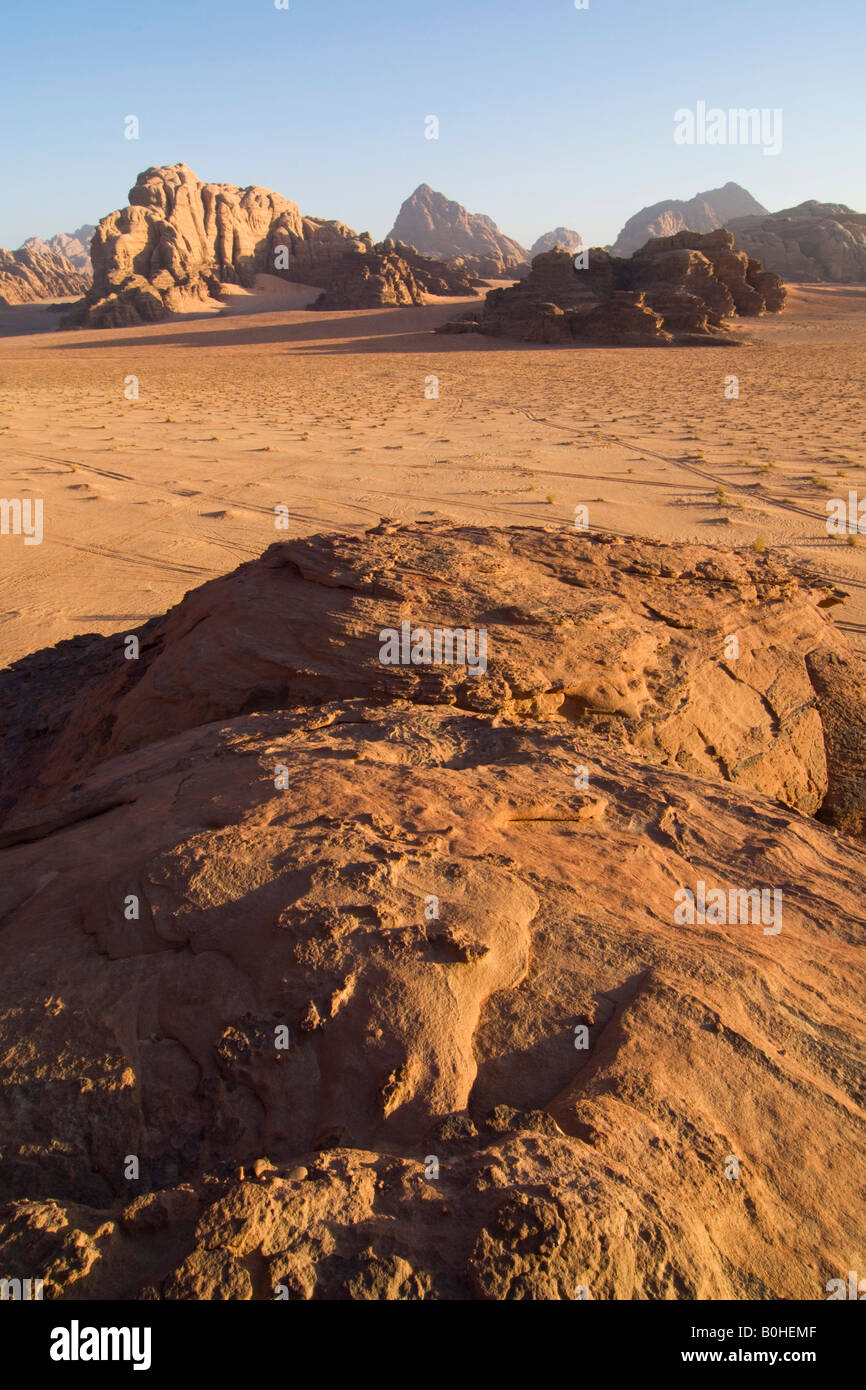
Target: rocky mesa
<point>675,289</point>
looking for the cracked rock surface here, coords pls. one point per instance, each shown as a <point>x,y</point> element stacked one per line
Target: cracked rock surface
<point>383,997</point>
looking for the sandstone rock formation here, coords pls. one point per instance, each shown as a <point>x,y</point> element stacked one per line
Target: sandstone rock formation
<point>565,237</point>
<point>75,246</point>
<point>319,940</point>
<point>27,276</point>
<point>679,288</point>
<point>180,241</point>
<point>438,227</point>
<point>391,273</point>
<point>713,208</point>
<point>815,241</point>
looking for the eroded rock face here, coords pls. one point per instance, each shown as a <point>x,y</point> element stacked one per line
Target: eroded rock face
<point>29,275</point>
<point>708,266</point>
<point>679,288</point>
<point>565,237</point>
<point>288,924</point>
<point>180,240</point>
<point>624,636</point>
<point>707,211</point>
<point>815,241</point>
<point>75,246</point>
<point>438,227</point>
<point>391,274</point>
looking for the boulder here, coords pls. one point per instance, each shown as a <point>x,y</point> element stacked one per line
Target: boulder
<point>541,1087</point>
<point>225,650</point>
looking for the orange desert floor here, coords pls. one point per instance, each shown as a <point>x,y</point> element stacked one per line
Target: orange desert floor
<point>347,418</point>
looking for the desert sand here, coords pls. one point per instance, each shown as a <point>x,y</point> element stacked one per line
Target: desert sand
<point>326,413</point>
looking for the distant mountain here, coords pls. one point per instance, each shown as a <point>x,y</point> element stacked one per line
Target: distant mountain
<point>704,213</point>
<point>180,241</point>
<point>439,227</point>
<point>75,246</point>
<point>565,237</point>
<point>27,276</point>
<point>814,241</point>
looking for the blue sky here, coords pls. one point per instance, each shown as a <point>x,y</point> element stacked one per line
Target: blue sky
<point>548,115</point>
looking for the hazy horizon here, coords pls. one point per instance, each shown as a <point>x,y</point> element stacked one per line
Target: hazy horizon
<point>328,107</point>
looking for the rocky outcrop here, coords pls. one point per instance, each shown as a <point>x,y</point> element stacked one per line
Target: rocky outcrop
<point>815,241</point>
<point>375,969</point>
<point>180,241</point>
<point>75,246</point>
<point>710,268</point>
<point>675,289</point>
<point>671,694</point>
<point>713,208</point>
<point>391,274</point>
<point>565,237</point>
<point>438,227</point>
<point>27,276</point>
<point>555,303</point>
